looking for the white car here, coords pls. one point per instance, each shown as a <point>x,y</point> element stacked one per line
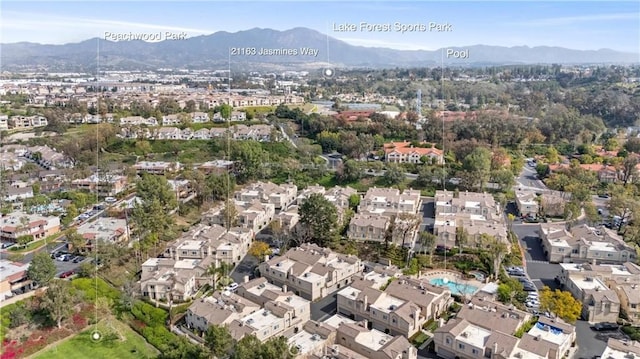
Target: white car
<point>232,287</point>
<point>532,304</point>
<point>110,200</point>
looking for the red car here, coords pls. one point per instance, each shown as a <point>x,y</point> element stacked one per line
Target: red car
<point>67,274</point>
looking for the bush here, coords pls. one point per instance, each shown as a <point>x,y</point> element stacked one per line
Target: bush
<point>632,332</point>
<point>93,289</point>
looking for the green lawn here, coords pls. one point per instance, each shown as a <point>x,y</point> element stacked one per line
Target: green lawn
<point>111,345</point>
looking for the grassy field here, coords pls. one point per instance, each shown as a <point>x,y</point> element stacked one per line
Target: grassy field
<point>118,342</point>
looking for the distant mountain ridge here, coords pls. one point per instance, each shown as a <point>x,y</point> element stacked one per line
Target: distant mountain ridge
<point>202,52</point>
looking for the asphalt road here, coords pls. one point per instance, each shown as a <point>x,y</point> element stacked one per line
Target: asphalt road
<point>244,268</point>
<point>528,179</point>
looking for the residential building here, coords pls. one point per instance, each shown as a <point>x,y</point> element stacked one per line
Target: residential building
<point>157,168</point>
<point>621,278</point>
<point>405,152</point>
<point>310,271</point>
<point>17,224</point>
<point>485,328</point>
<point>220,308</point>
<point>199,117</point>
<point>583,244</point>
<point>18,194</point>
<point>284,314</point>
<point>105,184</point>
<point>213,242</point>
<point>25,122</point>
<point>281,196</point>
<point>369,228</point>
<point>374,344</point>
<point>138,121</point>
<point>338,196</point>
<point>312,340</point>
<point>13,278</point>
<point>527,203</point>
<point>390,201</point>
<point>621,349</point>
<point>4,122</point>
<point>167,279</point>
<point>475,213</point>
<point>217,166</point>
<point>104,230</point>
<point>401,309</point>
<point>599,303</point>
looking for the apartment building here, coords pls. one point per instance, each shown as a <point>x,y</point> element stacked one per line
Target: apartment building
<point>583,244</point>
<point>157,168</point>
<point>281,196</point>
<point>372,343</point>
<point>167,279</point>
<point>220,308</point>
<point>103,230</point>
<point>485,328</point>
<point>338,196</point>
<point>310,271</point>
<point>476,213</point>
<point>312,340</point>
<point>17,224</point>
<point>405,152</point>
<point>47,157</point>
<point>4,122</point>
<point>629,297</point>
<point>104,184</point>
<point>401,309</point>
<point>527,203</point>
<point>138,121</point>
<point>213,242</point>
<point>199,117</point>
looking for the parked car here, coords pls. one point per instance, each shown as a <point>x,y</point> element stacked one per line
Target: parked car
<point>67,274</point>
<point>110,200</point>
<point>604,326</point>
<point>232,287</point>
<point>532,304</point>
<point>78,259</point>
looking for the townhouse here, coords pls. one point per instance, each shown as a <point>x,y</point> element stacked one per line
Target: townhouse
<point>310,271</point>
<point>213,242</point>
<point>104,184</point>
<point>4,122</point>
<point>621,349</point>
<point>369,228</point>
<point>47,157</point>
<point>138,121</point>
<point>103,230</point>
<point>485,328</point>
<point>281,196</point>
<point>220,308</point>
<point>283,314</point>
<point>405,152</point>
<point>27,122</point>
<point>371,343</point>
<point>167,279</point>
<point>527,203</point>
<point>261,133</point>
<point>17,194</point>
<point>217,166</point>
<point>401,309</point>
<point>390,201</point>
<point>157,168</point>
<point>199,117</point>
<point>312,340</point>
<point>18,224</point>
<point>583,244</point>
<point>476,213</point>
<point>621,279</point>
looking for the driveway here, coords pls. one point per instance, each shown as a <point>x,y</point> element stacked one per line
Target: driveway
<point>528,179</point>
<point>590,342</point>
<point>244,268</point>
<point>324,308</point>
<point>428,213</point>
<point>541,272</point>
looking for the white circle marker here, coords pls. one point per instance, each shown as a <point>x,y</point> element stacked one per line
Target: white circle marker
<point>95,336</point>
<point>328,72</point>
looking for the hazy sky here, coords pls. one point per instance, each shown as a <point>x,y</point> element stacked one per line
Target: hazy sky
<point>574,24</point>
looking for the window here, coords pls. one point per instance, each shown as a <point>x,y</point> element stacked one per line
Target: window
<point>474,351</point>
<point>460,346</point>
<point>448,340</point>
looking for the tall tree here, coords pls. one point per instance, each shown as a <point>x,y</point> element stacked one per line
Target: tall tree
<point>496,250</point>
<point>42,269</point>
<point>562,303</point>
<point>462,237</point>
<point>478,163</point>
<point>320,217</point>
<point>259,250</point>
<point>219,341</point>
<point>59,300</point>
<point>229,215</point>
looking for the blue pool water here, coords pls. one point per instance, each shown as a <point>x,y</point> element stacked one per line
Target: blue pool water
<point>454,287</point>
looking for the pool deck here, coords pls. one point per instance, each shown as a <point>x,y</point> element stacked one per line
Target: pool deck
<point>452,276</point>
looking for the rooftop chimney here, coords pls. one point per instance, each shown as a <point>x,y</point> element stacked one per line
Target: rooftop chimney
<point>245,279</point>
<point>284,288</point>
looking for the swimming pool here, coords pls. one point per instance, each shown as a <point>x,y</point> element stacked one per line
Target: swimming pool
<point>455,287</point>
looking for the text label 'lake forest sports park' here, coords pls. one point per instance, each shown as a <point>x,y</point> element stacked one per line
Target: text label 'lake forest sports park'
<point>392,27</point>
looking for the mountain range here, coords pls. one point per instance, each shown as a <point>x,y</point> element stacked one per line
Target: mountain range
<point>207,51</point>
